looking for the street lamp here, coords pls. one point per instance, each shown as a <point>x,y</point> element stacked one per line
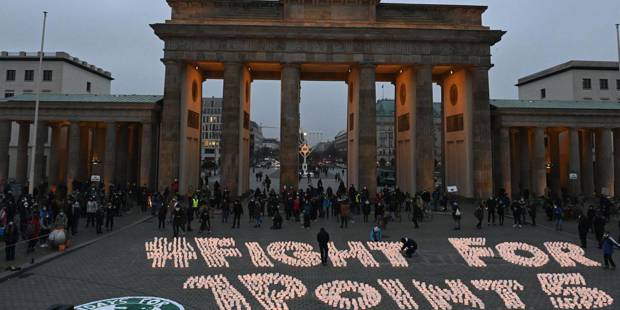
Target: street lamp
<point>36,110</point>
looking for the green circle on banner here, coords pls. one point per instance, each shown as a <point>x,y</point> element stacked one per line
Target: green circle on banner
<point>132,303</point>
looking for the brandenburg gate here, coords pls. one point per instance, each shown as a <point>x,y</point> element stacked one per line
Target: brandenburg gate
<point>359,42</point>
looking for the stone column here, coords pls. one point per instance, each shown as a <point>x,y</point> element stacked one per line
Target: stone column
<point>505,162</point>
<point>616,133</point>
<point>40,164</point>
<point>22,153</point>
<point>587,166</point>
<point>540,169</point>
<point>524,159</point>
<point>170,130</point>
<point>5,140</point>
<point>424,138</point>
<point>122,154</point>
<point>146,151</point>
<point>73,158</point>
<point>54,160</point>
<point>481,133</point>
<point>289,125</point>
<point>109,165</point>
<point>231,126</point>
<point>554,158</point>
<point>367,129</point>
<point>573,161</point>
<point>604,161</point>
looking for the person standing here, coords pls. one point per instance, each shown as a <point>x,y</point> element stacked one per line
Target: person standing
<point>205,219</point>
<point>99,216</point>
<point>456,215</point>
<point>162,212</point>
<point>532,210</point>
<point>237,212</point>
<point>608,250</point>
<point>11,236</point>
<point>91,208</point>
<point>344,214</point>
<point>583,226</point>
<point>599,228</point>
<point>109,216</point>
<point>323,238</point>
<point>75,217</point>
<point>417,215</point>
<point>366,210</point>
<point>178,217</point>
<point>479,213</point>
<point>491,206</point>
<point>501,210</point>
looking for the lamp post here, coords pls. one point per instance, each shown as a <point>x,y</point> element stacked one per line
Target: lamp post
<point>618,40</point>
<point>39,77</point>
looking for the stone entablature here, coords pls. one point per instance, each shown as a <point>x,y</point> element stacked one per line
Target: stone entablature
<point>326,13</point>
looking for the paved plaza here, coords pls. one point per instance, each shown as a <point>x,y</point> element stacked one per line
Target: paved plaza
<point>118,266</point>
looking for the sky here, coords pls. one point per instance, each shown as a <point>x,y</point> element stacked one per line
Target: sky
<point>115,35</point>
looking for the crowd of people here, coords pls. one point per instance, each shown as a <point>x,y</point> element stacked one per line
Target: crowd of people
<point>40,219</point>
<point>50,219</point>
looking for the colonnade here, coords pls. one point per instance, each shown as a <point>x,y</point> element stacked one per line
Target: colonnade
<point>118,152</point>
<point>555,160</point>
<point>470,162</point>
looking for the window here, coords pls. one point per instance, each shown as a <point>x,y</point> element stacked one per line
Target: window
<point>9,93</point>
<point>604,99</point>
<point>587,83</point>
<point>29,75</point>
<point>10,75</point>
<point>618,84</point>
<point>543,93</point>
<point>47,75</point>
<point>604,84</point>
<point>88,86</point>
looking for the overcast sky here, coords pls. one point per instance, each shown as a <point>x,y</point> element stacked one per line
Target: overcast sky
<point>115,35</point>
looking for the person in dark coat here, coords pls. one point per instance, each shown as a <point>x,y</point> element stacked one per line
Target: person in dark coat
<point>323,238</point>
<point>479,213</point>
<point>237,212</point>
<point>178,218</point>
<point>99,216</point>
<point>409,247</point>
<point>11,236</point>
<point>583,226</point>
<point>608,250</point>
<point>162,212</point>
<point>599,229</point>
<point>491,207</point>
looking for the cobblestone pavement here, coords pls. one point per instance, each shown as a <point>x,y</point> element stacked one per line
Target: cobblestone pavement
<point>118,266</point>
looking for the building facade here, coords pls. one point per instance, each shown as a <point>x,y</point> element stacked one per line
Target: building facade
<point>211,129</point>
<point>574,80</point>
<point>113,137</point>
<point>385,132</point>
<point>62,74</point>
<point>359,42</point>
